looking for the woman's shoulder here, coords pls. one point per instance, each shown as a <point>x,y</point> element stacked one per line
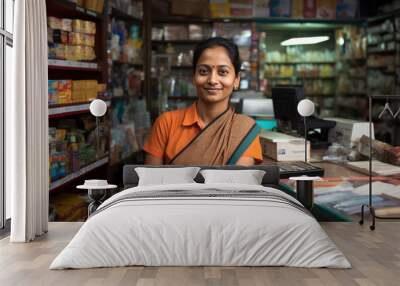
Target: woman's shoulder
<point>172,116</point>
<point>244,118</point>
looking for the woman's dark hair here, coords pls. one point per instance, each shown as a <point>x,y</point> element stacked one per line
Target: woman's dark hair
<point>230,47</point>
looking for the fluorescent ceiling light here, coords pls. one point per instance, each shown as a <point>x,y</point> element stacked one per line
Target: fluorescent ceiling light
<point>305,41</point>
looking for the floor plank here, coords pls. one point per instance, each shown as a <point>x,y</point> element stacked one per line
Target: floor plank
<point>375,257</point>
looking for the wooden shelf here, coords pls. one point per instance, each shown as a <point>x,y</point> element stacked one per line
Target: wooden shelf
<point>135,65</point>
<point>182,42</point>
<point>269,20</point>
<point>56,184</point>
<point>181,98</point>
<point>123,97</point>
<point>298,63</point>
<point>70,9</point>
<point>73,65</point>
<point>319,94</point>
<point>63,110</point>
<point>121,15</point>
<point>381,52</point>
<point>181,67</point>
<point>302,77</point>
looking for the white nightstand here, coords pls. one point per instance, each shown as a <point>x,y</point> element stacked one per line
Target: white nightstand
<point>97,192</point>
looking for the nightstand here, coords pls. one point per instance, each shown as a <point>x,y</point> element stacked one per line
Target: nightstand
<point>305,190</point>
<point>97,192</point>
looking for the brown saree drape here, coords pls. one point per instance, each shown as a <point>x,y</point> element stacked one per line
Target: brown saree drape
<point>217,142</point>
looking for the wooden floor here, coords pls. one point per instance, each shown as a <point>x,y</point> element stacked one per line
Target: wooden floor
<point>375,257</point>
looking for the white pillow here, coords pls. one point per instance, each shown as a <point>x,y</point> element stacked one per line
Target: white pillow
<point>249,177</point>
<point>164,176</point>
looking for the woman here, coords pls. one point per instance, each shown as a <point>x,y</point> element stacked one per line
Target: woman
<point>208,132</point>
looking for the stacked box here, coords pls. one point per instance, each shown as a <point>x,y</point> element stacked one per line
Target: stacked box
<point>59,24</point>
<point>81,39</point>
<point>326,9</point>
<point>79,53</point>
<point>95,5</point>
<point>261,8</point>
<point>309,8</point>
<point>220,8</point>
<point>297,9</point>
<point>82,26</point>
<point>84,90</point>
<point>59,91</point>
<point>280,8</point>
<point>346,8</point>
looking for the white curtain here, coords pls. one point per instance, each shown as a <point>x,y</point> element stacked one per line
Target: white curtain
<point>27,124</point>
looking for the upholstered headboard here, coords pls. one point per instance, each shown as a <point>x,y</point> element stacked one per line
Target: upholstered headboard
<point>271,177</point>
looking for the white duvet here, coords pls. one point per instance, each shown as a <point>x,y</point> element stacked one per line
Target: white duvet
<point>183,231</point>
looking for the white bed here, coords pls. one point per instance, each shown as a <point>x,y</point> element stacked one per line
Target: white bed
<point>225,225</point>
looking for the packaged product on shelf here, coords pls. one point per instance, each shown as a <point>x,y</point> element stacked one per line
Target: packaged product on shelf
<point>95,5</point>
<point>54,23</point>
<point>261,8</point>
<point>220,9</point>
<point>84,90</point>
<point>239,10</point>
<point>197,8</point>
<point>326,9</point>
<point>82,26</point>
<point>157,33</point>
<point>309,8</point>
<point>297,9</point>
<point>346,8</point>
<point>56,51</point>
<point>280,8</point>
<point>59,91</point>
<point>195,32</point>
<point>79,53</point>
<point>81,39</point>
<point>175,32</point>
<point>57,36</point>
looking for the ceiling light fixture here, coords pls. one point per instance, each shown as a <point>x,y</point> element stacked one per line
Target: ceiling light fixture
<point>305,41</point>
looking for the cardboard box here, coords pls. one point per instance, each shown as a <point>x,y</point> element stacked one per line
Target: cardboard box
<point>197,8</point>
<point>261,8</point>
<point>309,8</point>
<point>282,147</point>
<point>348,132</point>
<point>326,9</point>
<point>280,8</point>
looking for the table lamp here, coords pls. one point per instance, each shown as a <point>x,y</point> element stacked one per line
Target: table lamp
<point>98,108</point>
<point>305,108</point>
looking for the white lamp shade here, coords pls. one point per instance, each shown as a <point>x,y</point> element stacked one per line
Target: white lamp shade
<point>305,107</point>
<point>98,107</point>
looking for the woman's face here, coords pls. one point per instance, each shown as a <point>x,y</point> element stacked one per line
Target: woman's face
<point>215,76</point>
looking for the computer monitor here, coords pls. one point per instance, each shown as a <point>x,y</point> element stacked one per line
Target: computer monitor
<point>285,99</point>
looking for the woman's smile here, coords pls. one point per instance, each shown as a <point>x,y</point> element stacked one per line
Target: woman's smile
<point>215,76</point>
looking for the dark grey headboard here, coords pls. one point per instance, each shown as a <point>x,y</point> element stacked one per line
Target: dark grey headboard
<point>271,177</point>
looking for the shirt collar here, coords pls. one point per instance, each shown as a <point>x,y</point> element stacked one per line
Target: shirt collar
<point>191,116</point>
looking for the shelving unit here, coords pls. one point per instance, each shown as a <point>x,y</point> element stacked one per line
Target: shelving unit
<point>64,110</point>
<point>383,72</point>
<point>71,127</point>
<point>351,70</point>
<point>76,175</point>
<point>313,66</point>
<point>127,85</point>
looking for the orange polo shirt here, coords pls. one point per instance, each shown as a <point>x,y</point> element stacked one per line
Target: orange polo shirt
<point>173,130</point>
